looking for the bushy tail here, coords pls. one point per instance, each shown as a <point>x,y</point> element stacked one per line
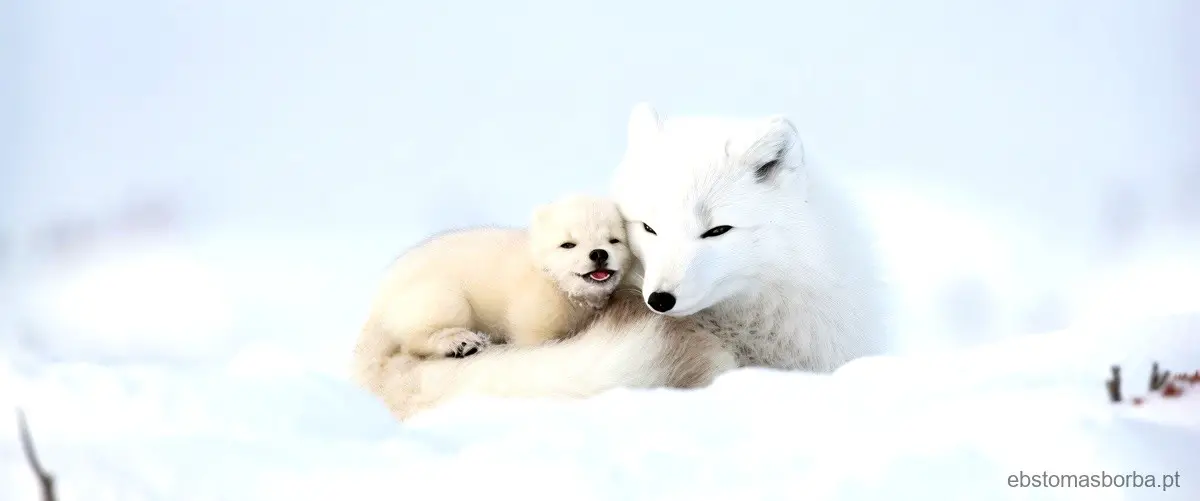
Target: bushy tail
<point>374,353</point>
<point>627,346</point>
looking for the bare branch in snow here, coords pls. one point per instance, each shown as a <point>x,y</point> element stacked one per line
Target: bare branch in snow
<point>45,479</point>
<point>1157,379</point>
<point>1114,385</point>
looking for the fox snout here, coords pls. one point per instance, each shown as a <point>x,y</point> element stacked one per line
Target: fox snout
<point>661,291</point>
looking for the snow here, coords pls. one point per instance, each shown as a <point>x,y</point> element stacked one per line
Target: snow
<point>1034,197</point>
<point>270,416</point>
<point>939,426</point>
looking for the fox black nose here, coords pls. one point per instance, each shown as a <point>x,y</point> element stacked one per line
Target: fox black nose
<point>598,255</point>
<point>662,302</point>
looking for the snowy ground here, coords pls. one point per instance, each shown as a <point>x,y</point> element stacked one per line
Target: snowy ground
<point>211,365</point>
<point>264,416</point>
<point>935,428</point>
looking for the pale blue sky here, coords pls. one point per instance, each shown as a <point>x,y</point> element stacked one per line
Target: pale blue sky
<point>342,101</point>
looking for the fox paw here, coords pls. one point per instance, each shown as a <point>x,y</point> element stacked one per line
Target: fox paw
<point>459,343</point>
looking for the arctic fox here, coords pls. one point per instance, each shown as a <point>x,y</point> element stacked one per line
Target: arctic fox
<point>456,293</point>
<point>747,257</point>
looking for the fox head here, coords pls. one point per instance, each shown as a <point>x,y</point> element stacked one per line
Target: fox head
<point>707,203</point>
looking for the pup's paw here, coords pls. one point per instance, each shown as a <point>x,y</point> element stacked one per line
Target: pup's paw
<point>459,343</point>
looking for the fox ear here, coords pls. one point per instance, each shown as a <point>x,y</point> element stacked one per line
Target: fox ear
<point>782,149</point>
<point>539,216</point>
<point>644,123</point>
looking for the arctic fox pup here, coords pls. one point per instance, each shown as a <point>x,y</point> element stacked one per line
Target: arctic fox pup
<point>460,291</point>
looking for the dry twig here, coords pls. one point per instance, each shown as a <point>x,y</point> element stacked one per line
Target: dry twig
<point>1157,379</point>
<point>45,479</point>
<point>1114,385</point>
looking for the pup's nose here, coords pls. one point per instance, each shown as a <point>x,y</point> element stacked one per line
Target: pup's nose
<point>662,302</point>
<point>598,255</point>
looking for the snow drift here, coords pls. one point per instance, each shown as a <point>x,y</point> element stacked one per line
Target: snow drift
<point>956,425</point>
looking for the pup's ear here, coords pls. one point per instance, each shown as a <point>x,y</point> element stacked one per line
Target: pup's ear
<point>540,214</point>
<point>780,150</point>
<point>644,123</point>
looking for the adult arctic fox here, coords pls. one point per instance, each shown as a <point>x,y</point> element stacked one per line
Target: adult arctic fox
<point>743,247</point>
<point>454,294</point>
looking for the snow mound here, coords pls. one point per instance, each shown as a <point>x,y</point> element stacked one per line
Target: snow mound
<point>966,424</point>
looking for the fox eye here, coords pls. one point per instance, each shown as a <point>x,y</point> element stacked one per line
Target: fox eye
<point>614,241</point>
<point>567,245</point>
<point>716,231</point>
<point>648,229</point>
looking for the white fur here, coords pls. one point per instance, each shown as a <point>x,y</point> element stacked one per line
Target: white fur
<point>792,285</point>
<point>458,291</point>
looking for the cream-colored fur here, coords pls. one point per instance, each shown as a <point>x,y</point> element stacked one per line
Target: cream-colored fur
<point>460,291</point>
<point>626,346</point>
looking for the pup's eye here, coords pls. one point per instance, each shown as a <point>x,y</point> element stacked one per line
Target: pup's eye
<point>614,241</point>
<point>716,231</point>
<point>648,229</point>
<point>567,245</point>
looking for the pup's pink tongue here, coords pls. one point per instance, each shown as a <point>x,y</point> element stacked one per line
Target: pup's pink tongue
<point>600,275</point>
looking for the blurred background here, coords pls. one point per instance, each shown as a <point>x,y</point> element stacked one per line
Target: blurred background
<point>217,185</point>
<point>197,198</point>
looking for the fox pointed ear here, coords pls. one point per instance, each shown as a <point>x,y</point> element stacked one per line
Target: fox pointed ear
<point>782,147</point>
<point>644,123</point>
<point>781,124</point>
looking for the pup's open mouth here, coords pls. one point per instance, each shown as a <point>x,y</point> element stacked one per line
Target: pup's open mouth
<point>599,276</point>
